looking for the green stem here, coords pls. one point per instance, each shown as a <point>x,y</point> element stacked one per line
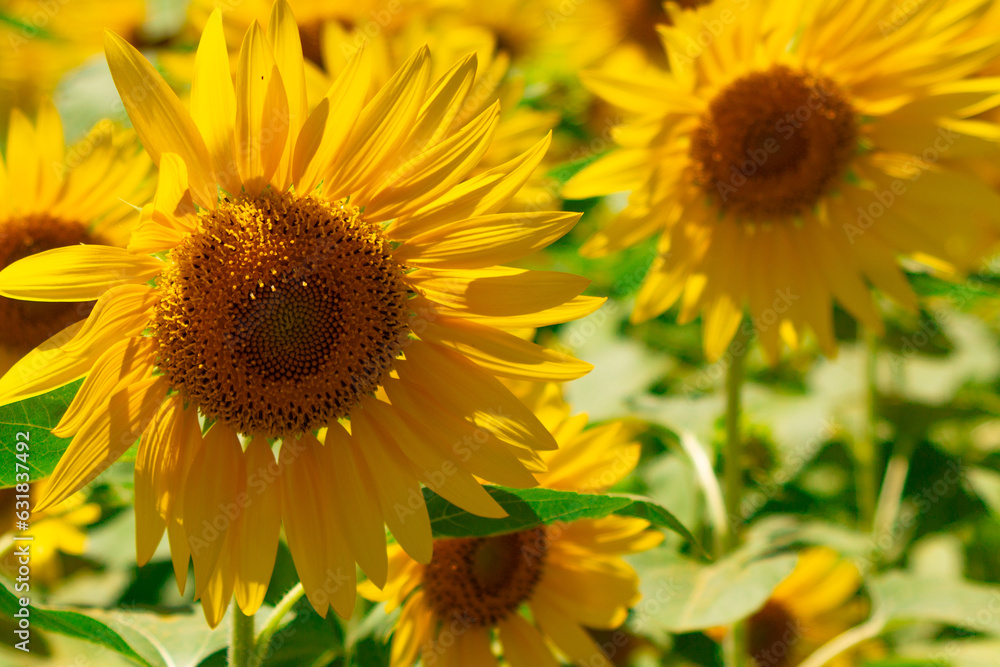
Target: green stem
<point>734,647</point>
<point>241,645</point>
<point>733,454</point>
<point>866,473</point>
<point>274,622</point>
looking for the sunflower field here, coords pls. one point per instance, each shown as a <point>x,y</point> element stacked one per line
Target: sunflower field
<point>463,333</point>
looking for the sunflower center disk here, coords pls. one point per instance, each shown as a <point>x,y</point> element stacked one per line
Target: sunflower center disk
<point>772,631</point>
<point>772,143</point>
<point>26,324</point>
<point>281,313</point>
<point>481,580</point>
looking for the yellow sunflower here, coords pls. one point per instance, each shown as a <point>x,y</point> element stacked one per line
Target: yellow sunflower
<point>297,272</point>
<point>569,576</point>
<point>41,40</point>
<point>791,153</point>
<point>816,602</point>
<point>58,530</point>
<point>51,196</point>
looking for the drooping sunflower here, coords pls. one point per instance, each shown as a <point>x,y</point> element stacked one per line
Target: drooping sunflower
<point>299,274</point>
<point>791,153</point>
<point>816,602</point>
<point>569,576</point>
<point>59,530</point>
<point>51,196</point>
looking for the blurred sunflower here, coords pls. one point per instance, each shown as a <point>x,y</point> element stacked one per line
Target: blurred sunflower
<point>791,153</point>
<point>58,530</point>
<point>569,576</point>
<point>52,197</point>
<point>40,41</point>
<point>816,602</point>
<point>309,268</point>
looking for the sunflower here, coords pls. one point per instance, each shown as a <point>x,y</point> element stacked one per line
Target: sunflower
<point>570,576</point>
<point>51,196</point>
<point>58,530</point>
<point>40,41</point>
<point>816,602</point>
<point>298,275</point>
<point>791,153</point>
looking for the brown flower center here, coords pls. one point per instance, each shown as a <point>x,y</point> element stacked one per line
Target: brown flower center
<point>772,633</point>
<point>772,143</point>
<point>26,324</point>
<point>483,579</point>
<point>281,313</point>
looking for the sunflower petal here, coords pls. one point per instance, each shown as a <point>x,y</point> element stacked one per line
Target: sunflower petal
<point>213,102</point>
<point>103,439</point>
<point>257,545</point>
<point>261,112</point>
<point>283,34</point>
<point>162,122</point>
<point>75,273</point>
<point>523,645</point>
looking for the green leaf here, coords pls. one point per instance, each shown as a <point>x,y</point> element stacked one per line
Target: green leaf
<point>145,637</point>
<point>528,508</point>
<point>962,293</point>
<point>37,417</point>
<point>901,596</point>
<point>690,596</point>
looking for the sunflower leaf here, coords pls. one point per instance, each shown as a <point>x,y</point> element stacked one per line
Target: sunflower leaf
<point>145,637</point>
<point>528,508</point>
<point>36,417</point>
<point>903,596</point>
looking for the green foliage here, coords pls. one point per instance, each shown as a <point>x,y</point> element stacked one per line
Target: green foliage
<point>37,417</point>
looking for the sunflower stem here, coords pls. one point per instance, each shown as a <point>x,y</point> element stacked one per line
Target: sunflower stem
<point>732,463</point>
<point>274,622</point>
<point>866,473</point>
<point>241,644</point>
<point>734,647</point>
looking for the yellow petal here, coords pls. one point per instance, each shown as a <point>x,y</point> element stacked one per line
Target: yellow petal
<point>486,240</point>
<point>567,634</point>
<point>157,478</point>
<point>68,355</point>
<point>428,175</point>
<point>257,545</point>
<point>124,363</point>
<point>382,127</point>
<point>261,112</point>
<point>152,235</point>
<point>444,103</point>
<point>162,122</point>
<point>480,195</point>
<point>440,473</point>
<point>523,646</point>
<point>25,167</point>
<point>283,34</point>
<point>75,273</point>
<point>619,171</point>
<point>103,439</point>
<point>498,291</point>
<point>501,353</point>
<point>482,453</point>
<point>218,591</point>
<point>213,102</point>
<point>214,481</point>
<point>356,507</point>
<point>593,460</point>
<point>573,309</point>
<point>397,488</point>
<point>187,439</point>
<point>307,518</point>
<point>329,125</point>
<point>474,393</point>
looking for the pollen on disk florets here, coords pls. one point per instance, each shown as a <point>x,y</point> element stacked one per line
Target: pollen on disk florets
<point>772,143</point>
<point>26,324</point>
<point>280,313</point>
<point>483,579</point>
